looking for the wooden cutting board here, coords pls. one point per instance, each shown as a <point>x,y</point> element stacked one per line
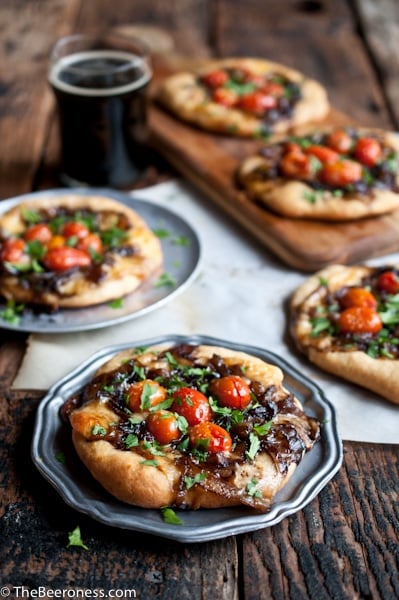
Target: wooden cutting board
<point>210,161</point>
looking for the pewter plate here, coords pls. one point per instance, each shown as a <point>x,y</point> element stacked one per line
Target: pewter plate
<point>79,490</point>
<point>181,262</point>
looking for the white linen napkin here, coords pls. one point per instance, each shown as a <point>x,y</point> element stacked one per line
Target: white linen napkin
<point>239,295</point>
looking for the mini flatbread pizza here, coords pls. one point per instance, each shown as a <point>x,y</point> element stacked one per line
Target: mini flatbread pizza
<point>189,426</point>
<point>339,175</point>
<point>74,251</point>
<point>346,320</point>
<point>244,97</point>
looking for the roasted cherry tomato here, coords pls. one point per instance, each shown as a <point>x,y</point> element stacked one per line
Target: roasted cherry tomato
<point>368,151</point>
<point>192,405</point>
<point>257,102</point>
<point>342,172</point>
<point>388,282</point>
<point>224,96</point>
<point>359,319</point>
<point>357,296</point>
<point>75,229</point>
<point>145,394</point>
<point>91,243</point>
<point>40,232</point>
<point>340,141</point>
<point>324,154</point>
<point>64,258</point>
<point>215,79</point>
<point>231,391</point>
<point>164,426</point>
<point>296,164</point>
<point>210,437</point>
<point>13,250</point>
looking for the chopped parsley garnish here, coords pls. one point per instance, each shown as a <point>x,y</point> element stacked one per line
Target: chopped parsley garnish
<point>75,539</point>
<point>189,482</point>
<point>254,446</point>
<point>169,516</point>
<point>165,280</point>
<point>117,303</point>
<point>12,312</point>
<point>98,430</point>
<point>252,489</point>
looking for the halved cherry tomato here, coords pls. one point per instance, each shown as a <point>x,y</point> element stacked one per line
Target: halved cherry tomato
<point>296,164</point>
<point>13,250</point>
<point>342,172</point>
<point>75,229</point>
<point>210,437</point>
<point>359,319</point>
<point>324,154</point>
<point>368,151</point>
<point>257,102</point>
<point>91,242</point>
<point>192,405</point>
<point>40,232</point>
<point>164,426</point>
<point>340,141</point>
<point>231,391</point>
<point>64,258</point>
<point>357,296</point>
<point>389,282</point>
<point>224,96</point>
<point>143,395</point>
<point>215,79</point>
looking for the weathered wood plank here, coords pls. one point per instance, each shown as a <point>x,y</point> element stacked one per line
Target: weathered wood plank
<point>35,523</point>
<point>342,545</point>
<point>380,29</point>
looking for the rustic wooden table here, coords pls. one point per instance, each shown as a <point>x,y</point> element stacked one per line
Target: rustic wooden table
<point>344,544</point>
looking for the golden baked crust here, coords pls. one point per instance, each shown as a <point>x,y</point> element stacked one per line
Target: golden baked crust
<point>119,270</point>
<point>185,96</point>
<point>369,360</point>
<point>152,475</point>
<point>295,198</point>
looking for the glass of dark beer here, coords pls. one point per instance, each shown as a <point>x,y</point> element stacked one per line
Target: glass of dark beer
<point>101,84</point>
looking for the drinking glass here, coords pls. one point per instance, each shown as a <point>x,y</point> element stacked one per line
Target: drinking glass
<point>101,87</point>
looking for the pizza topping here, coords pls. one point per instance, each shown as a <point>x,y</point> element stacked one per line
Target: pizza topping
<point>362,317</point>
<point>388,282</point>
<point>269,97</point>
<point>344,161</point>
<point>210,437</point>
<point>55,243</point>
<point>65,258</point>
<point>164,426</point>
<point>231,391</point>
<point>209,413</point>
<point>359,319</point>
<point>192,405</point>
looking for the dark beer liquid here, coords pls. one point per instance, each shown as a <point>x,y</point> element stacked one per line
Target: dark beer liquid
<point>101,97</point>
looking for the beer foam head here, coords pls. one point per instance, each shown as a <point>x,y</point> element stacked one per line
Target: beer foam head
<point>107,65</point>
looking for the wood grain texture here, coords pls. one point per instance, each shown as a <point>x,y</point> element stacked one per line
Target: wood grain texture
<point>342,545</point>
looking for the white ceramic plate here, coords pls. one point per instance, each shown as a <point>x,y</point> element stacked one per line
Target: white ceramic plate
<point>84,494</point>
<point>181,262</point>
